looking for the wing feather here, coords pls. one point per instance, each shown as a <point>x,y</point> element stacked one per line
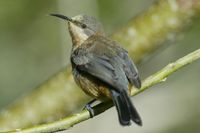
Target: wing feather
<point>107,61</point>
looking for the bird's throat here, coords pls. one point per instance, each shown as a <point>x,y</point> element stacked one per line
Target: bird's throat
<point>77,34</point>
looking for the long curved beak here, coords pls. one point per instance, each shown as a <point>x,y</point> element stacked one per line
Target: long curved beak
<point>61,16</point>
<point>69,19</point>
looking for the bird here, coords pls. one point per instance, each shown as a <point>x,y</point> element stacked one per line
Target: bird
<point>101,67</point>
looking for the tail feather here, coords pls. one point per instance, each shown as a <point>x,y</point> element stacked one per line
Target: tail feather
<point>126,110</point>
<point>121,107</point>
<point>132,110</point>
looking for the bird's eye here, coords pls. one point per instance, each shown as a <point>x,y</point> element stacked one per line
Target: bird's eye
<point>78,23</point>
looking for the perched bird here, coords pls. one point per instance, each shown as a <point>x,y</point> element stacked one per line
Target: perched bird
<point>101,67</point>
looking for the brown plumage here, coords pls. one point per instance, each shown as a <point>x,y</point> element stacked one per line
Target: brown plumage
<point>101,67</point>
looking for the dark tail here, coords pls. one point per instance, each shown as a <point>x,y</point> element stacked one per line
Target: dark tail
<point>126,110</point>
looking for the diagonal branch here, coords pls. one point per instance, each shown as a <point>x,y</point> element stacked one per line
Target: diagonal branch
<point>58,96</point>
<point>152,80</point>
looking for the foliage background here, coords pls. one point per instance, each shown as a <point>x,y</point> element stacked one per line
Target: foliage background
<point>34,46</point>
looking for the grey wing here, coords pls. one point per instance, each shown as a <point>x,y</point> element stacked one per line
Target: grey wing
<point>102,68</point>
<point>129,67</point>
<point>131,71</point>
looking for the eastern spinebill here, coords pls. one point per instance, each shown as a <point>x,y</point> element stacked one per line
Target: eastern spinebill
<point>101,67</point>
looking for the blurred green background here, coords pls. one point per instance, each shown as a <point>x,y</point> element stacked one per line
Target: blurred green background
<point>34,46</point>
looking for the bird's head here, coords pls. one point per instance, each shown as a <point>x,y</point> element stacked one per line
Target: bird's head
<point>81,27</point>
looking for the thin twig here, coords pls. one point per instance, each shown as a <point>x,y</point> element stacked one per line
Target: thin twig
<point>154,79</point>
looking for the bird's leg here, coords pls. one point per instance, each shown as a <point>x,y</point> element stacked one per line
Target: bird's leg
<point>89,107</point>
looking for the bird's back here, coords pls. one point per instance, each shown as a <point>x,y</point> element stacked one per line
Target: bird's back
<point>111,56</point>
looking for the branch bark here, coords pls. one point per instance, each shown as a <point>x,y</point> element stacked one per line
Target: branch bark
<point>59,96</point>
<point>154,79</point>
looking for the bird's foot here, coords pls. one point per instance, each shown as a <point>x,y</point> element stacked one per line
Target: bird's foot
<point>89,108</point>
